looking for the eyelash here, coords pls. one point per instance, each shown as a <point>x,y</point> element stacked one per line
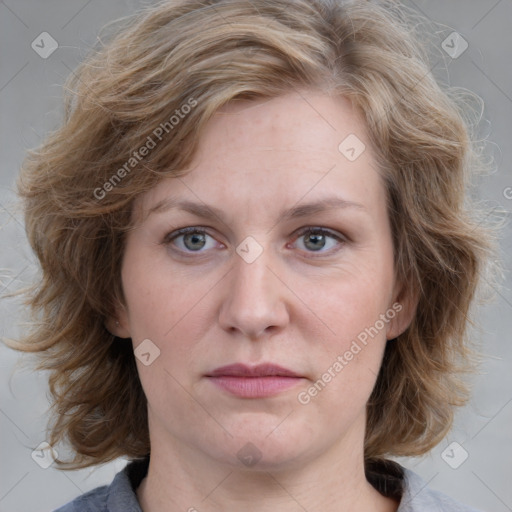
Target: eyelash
<point>170,237</point>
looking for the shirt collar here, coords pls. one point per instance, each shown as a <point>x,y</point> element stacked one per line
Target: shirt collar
<point>388,477</point>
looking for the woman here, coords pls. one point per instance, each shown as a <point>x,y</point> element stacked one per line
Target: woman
<point>257,263</point>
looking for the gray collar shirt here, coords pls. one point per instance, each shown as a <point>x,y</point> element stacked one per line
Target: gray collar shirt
<point>389,478</point>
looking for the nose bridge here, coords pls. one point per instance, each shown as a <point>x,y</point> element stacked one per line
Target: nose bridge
<point>253,302</point>
<point>251,268</point>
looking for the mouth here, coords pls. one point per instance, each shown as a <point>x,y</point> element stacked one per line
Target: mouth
<point>259,381</point>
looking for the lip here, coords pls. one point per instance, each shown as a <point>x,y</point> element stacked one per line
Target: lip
<point>258,381</point>
<point>260,370</point>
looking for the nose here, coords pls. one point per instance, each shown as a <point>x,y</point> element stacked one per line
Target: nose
<point>254,304</point>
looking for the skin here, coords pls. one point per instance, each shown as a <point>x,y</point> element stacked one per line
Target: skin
<point>293,306</point>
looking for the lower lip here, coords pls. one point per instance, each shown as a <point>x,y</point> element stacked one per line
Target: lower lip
<point>255,387</point>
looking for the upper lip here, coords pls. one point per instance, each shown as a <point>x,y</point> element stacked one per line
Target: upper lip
<point>260,370</point>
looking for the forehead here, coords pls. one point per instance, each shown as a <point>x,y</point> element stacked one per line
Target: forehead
<point>281,149</point>
<point>303,122</point>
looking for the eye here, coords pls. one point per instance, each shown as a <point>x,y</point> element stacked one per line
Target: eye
<point>194,239</point>
<point>317,239</point>
<point>190,239</point>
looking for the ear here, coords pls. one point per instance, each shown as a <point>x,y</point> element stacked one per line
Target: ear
<point>404,303</point>
<point>118,324</point>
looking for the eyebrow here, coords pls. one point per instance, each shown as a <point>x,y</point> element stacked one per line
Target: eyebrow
<point>207,211</point>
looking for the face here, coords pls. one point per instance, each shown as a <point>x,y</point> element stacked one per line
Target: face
<point>264,279</point>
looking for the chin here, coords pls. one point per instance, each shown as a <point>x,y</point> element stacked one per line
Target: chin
<point>264,445</point>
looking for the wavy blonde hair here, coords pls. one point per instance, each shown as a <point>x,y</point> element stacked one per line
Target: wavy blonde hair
<point>77,213</point>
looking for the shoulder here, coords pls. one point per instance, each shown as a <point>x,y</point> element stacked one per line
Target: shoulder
<point>119,496</point>
<point>92,501</point>
<point>418,497</point>
<point>409,489</point>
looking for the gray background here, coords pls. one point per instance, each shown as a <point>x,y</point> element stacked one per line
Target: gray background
<point>30,92</point>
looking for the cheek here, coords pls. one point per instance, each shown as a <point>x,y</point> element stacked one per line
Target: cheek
<point>353,333</point>
<point>347,366</point>
<point>171,310</point>
<point>156,295</point>
<point>352,302</point>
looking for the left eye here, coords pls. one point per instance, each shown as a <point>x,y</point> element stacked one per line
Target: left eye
<point>315,239</point>
<point>194,239</point>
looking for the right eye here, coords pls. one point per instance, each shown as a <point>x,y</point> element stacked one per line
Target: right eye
<point>189,240</point>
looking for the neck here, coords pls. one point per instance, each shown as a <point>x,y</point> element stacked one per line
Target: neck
<point>180,478</point>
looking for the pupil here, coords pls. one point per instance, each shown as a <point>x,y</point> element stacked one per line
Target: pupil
<point>196,238</point>
<point>317,238</point>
